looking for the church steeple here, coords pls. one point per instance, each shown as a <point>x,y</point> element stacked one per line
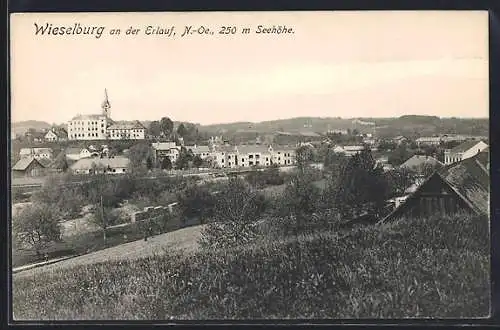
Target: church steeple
<point>106,106</point>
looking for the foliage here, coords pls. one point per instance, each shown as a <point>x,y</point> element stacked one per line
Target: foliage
<point>166,163</point>
<point>155,128</point>
<point>399,155</point>
<point>196,202</point>
<point>166,126</point>
<point>399,180</point>
<point>36,226</point>
<point>270,176</point>
<point>184,159</point>
<point>197,161</point>
<point>436,268</point>
<point>361,187</point>
<point>138,153</point>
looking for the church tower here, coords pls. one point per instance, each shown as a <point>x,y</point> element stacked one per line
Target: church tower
<point>106,106</point>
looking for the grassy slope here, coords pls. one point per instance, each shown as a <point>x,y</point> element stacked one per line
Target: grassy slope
<point>432,268</point>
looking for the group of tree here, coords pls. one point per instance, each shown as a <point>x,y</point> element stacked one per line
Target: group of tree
<point>165,129</point>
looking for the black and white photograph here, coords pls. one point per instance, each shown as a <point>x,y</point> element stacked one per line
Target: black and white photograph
<point>312,165</point>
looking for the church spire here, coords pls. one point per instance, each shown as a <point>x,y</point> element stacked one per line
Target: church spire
<point>106,106</point>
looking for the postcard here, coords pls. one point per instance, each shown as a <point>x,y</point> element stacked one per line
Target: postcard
<point>250,165</point>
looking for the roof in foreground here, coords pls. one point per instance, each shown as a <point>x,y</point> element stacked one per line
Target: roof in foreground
<point>23,163</point>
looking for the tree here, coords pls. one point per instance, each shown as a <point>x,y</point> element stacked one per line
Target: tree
<point>36,226</point>
<point>197,161</point>
<point>184,158</point>
<point>196,202</point>
<point>138,153</point>
<point>399,156</point>
<point>166,126</point>
<point>304,155</point>
<point>155,128</point>
<point>149,163</point>
<point>166,164</point>
<point>362,186</point>
<point>399,180</point>
<point>181,130</point>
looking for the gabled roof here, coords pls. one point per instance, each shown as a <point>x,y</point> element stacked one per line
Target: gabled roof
<point>418,160</point>
<point>127,125</point>
<point>72,150</point>
<point>198,149</point>
<point>463,147</point>
<point>468,178</point>
<point>23,163</point>
<point>89,117</point>
<point>115,162</point>
<point>247,149</point>
<point>164,145</point>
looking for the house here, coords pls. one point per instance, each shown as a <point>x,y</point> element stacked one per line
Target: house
<point>462,186</point>
<point>417,162</point>
<point>463,151</point>
<point>429,141</point>
<point>253,155</point>
<point>77,153</point>
<point>127,131</point>
<point>28,166</point>
<point>37,153</point>
<point>201,151</point>
<point>399,140</point>
<point>165,149</point>
<point>56,134</point>
<point>283,156</point>
<point>114,165</point>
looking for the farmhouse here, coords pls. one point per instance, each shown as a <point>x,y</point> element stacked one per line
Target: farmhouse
<point>463,151</point>
<point>56,134</point>
<point>28,166</point>
<point>114,165</point>
<point>462,186</point>
<point>165,149</point>
<point>77,153</point>
<point>37,153</point>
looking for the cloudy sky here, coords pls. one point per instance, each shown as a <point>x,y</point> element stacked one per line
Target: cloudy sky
<point>346,64</point>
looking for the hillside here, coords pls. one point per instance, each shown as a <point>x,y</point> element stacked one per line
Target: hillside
<point>22,127</point>
<point>405,125</point>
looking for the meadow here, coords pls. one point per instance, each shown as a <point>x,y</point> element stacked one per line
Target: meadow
<point>420,268</point>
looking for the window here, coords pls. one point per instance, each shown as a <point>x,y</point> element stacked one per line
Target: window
<point>250,157</point>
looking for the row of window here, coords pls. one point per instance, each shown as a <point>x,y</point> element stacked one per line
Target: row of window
<point>83,135</point>
<point>83,128</point>
<point>85,122</point>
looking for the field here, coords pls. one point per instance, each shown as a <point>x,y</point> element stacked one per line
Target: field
<point>417,268</point>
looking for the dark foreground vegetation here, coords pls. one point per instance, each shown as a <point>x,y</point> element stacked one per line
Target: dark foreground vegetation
<point>436,267</point>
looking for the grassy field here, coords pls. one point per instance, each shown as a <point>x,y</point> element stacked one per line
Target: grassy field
<point>437,267</point>
<point>183,239</point>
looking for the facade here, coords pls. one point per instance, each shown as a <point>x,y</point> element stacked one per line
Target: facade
<point>28,167</point>
<point>91,127</point>
<point>283,156</point>
<point>114,165</point>
<point>399,139</point>
<point>252,155</point>
<point>348,150</point>
<point>463,151</point>
<point>165,149</point>
<point>37,153</point>
<point>128,131</point>
<point>77,153</point>
<point>429,140</point>
<point>460,187</point>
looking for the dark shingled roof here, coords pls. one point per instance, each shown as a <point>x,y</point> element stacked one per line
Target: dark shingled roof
<point>469,179</point>
<point>23,163</point>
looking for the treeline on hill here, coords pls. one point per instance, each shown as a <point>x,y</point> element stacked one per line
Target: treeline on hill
<point>295,256</point>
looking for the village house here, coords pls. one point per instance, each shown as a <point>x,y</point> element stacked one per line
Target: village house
<point>77,153</point>
<point>348,150</point>
<point>463,186</point>
<point>37,153</point>
<point>56,134</point>
<point>399,140</point>
<point>28,167</point>
<point>201,151</point>
<point>429,141</point>
<point>113,165</point>
<point>463,151</point>
<point>165,149</point>
<point>126,131</point>
<point>283,156</point>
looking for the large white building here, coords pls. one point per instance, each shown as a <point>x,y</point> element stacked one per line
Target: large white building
<point>101,126</point>
<point>463,151</point>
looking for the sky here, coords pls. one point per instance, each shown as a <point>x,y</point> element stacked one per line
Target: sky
<point>335,64</point>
